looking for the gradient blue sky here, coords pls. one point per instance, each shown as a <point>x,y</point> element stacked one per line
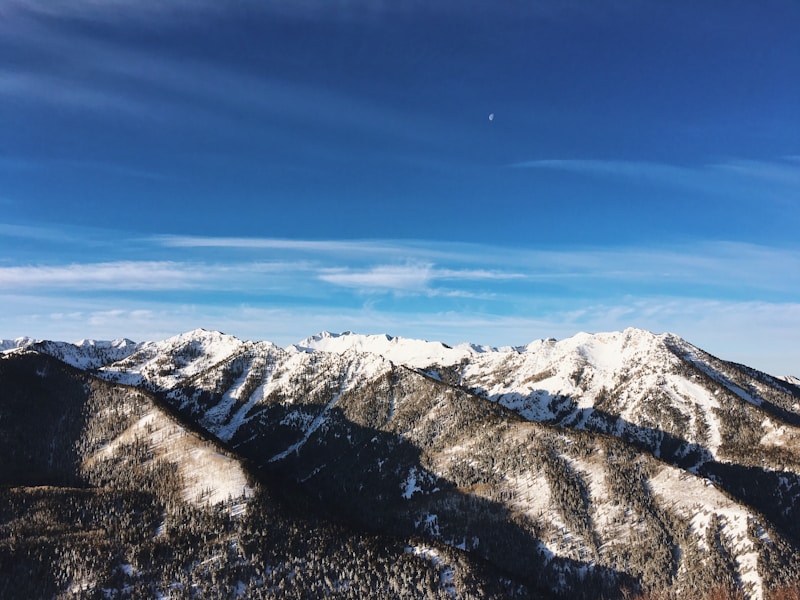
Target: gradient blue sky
<point>275,168</point>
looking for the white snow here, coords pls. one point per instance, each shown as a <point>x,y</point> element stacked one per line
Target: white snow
<point>214,418</point>
<point>531,380</point>
<point>405,351</point>
<point>584,369</point>
<point>447,576</point>
<point>708,404</point>
<point>315,424</point>
<point>207,476</point>
<point>410,485</point>
<point>695,355</point>
<point>781,434</point>
<point>531,494</point>
<point>430,525</point>
<point>85,354</point>
<point>20,342</point>
<point>175,359</point>
<point>693,498</point>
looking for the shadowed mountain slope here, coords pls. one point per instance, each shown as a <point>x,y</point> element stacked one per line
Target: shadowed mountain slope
<point>106,494</point>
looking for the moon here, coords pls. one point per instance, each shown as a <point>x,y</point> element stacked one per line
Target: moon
<point>491,116</point>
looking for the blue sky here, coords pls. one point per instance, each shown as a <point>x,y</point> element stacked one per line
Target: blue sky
<point>272,169</point>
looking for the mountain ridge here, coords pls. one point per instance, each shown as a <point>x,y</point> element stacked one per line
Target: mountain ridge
<point>586,454</point>
<point>336,342</point>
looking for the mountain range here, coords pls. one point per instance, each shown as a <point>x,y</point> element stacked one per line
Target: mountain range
<point>347,465</point>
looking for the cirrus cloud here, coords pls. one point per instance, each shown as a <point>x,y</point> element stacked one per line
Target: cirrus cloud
<point>406,277</point>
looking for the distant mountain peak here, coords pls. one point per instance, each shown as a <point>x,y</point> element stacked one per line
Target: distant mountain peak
<point>84,354</point>
<point>795,381</point>
<point>408,351</point>
<point>116,343</point>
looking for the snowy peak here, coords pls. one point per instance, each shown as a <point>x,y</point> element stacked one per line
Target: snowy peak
<point>600,349</point>
<point>85,354</point>
<point>120,344</point>
<point>163,364</point>
<point>604,349</point>
<point>96,354</point>
<point>19,342</point>
<point>790,379</point>
<point>406,351</point>
<point>203,337</point>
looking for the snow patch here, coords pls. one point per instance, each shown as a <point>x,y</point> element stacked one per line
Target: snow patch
<point>207,475</point>
<point>410,486</point>
<point>696,500</point>
<point>446,576</point>
<point>315,424</point>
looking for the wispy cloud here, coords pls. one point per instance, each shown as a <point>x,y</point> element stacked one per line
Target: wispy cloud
<point>720,177</point>
<point>730,268</point>
<point>631,169</point>
<point>409,278</point>
<point>144,275</point>
<point>40,163</point>
<point>299,9</point>
<point>89,74</point>
<point>359,250</point>
<point>455,292</point>
<point>385,277</point>
<point>104,276</point>
<point>104,9</point>
<point>325,246</point>
<point>725,264</point>
<point>31,232</point>
<point>692,261</point>
<point>476,275</point>
<point>50,88</point>
<point>786,172</point>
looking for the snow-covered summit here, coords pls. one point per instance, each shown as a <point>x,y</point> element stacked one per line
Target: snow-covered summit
<point>602,350</point>
<point>209,340</point>
<point>202,348</point>
<point>19,342</point>
<point>406,351</point>
<point>790,379</point>
<point>84,354</point>
<point>175,358</point>
<point>606,350</point>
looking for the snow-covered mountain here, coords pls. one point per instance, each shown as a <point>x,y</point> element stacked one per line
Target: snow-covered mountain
<point>405,351</point>
<point>622,458</point>
<point>85,354</point>
<point>790,379</point>
<point>105,494</point>
<point>634,384</point>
